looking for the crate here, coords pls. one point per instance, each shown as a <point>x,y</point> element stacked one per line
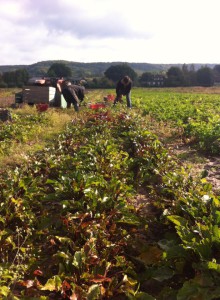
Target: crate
<point>42,107</point>
<point>38,94</point>
<point>97,105</point>
<point>42,94</point>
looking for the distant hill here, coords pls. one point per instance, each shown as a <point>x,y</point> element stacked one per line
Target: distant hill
<point>96,69</point>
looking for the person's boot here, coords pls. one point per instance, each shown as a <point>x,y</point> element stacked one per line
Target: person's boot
<point>115,101</point>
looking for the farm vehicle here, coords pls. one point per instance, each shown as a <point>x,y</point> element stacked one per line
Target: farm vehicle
<point>41,91</point>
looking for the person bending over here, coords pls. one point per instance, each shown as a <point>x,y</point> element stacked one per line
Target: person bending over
<point>123,88</point>
<point>73,94</point>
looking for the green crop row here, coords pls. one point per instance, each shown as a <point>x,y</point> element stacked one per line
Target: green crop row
<point>197,116</point>
<point>104,212</point>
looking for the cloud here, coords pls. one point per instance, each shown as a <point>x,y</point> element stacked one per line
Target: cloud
<point>81,21</point>
<point>171,31</point>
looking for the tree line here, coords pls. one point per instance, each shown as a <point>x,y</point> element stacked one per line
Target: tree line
<point>173,77</point>
<point>14,78</point>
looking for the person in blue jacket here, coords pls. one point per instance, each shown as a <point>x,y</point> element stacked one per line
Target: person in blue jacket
<point>123,88</point>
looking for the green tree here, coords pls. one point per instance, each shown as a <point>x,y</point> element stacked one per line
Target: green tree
<point>175,77</point>
<point>205,76</point>
<point>59,70</point>
<point>21,77</point>
<point>186,75</point>
<point>216,72</point>
<point>105,83</point>
<point>216,69</point>
<point>15,78</point>
<point>145,78</point>
<point>9,78</point>
<point>192,75</point>
<point>2,83</point>
<point>116,72</point>
<point>189,75</point>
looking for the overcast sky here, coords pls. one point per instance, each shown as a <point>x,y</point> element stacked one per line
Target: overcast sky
<point>150,31</point>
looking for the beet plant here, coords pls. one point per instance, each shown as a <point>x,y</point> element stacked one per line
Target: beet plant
<point>104,211</point>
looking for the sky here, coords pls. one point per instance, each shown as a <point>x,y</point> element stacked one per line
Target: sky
<point>142,31</point>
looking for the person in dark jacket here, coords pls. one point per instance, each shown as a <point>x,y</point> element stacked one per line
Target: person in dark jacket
<point>123,88</point>
<point>73,94</point>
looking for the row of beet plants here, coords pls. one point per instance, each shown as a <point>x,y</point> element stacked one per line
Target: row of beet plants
<point>196,116</point>
<point>73,227</point>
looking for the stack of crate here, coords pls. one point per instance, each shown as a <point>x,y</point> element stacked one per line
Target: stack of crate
<point>38,94</point>
<point>34,95</point>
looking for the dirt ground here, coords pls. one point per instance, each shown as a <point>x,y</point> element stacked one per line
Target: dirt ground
<point>7,101</point>
<point>212,167</point>
<point>203,166</point>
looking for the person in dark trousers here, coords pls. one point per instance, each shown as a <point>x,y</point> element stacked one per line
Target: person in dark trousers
<point>73,94</point>
<point>123,88</point>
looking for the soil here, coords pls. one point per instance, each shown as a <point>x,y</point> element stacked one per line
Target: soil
<point>213,172</point>
<point>203,166</point>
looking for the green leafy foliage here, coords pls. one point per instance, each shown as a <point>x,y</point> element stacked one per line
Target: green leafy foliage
<point>72,226</point>
<point>194,117</point>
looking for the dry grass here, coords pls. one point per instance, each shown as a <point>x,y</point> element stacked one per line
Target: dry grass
<point>18,152</point>
<point>7,97</point>
<point>193,90</point>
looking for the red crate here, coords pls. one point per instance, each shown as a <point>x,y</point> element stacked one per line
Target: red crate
<point>97,105</point>
<point>42,107</point>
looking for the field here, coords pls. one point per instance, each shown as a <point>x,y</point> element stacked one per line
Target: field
<point>113,203</point>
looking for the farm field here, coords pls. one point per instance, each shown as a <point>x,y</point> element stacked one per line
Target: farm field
<point>113,203</point>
